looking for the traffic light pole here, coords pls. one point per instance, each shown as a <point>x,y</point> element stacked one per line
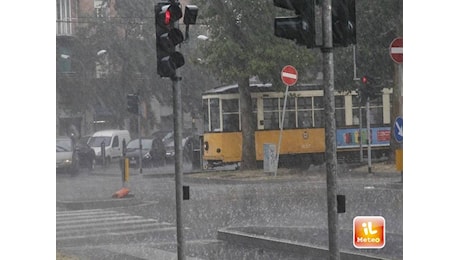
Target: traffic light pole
<point>140,135</point>
<point>177,110</point>
<point>331,141</point>
<point>369,137</point>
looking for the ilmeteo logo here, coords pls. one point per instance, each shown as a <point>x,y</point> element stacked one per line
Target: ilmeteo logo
<point>368,232</point>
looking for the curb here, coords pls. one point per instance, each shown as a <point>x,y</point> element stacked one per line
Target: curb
<point>279,244</point>
<point>128,200</point>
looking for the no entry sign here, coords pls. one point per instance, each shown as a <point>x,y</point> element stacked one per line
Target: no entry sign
<point>396,50</point>
<point>289,75</point>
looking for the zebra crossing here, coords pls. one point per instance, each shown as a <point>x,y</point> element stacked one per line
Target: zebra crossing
<point>97,226</point>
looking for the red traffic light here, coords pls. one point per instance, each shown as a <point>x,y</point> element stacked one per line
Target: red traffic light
<point>167,17</point>
<point>170,13</point>
<point>364,79</point>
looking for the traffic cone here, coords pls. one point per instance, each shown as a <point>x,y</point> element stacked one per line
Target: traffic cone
<point>121,193</point>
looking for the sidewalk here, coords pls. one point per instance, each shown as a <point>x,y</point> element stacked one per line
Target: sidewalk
<point>381,171</point>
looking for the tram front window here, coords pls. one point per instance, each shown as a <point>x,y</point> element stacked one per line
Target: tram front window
<point>214,113</point>
<point>230,115</point>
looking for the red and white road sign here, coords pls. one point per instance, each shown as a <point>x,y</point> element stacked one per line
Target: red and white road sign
<point>289,75</point>
<point>396,50</point>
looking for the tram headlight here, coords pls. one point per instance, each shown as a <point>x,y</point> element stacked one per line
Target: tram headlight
<point>206,146</point>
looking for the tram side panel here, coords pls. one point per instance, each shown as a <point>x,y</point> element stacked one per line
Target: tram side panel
<point>293,141</point>
<point>222,148</point>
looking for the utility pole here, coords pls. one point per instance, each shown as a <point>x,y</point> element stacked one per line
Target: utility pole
<point>331,141</point>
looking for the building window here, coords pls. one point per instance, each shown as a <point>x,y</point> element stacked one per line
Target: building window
<point>100,8</point>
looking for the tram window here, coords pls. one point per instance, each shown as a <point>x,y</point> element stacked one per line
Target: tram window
<point>230,115</point>
<point>271,113</point>
<point>229,105</point>
<point>231,122</point>
<point>318,112</point>
<point>376,111</point>
<point>355,109</point>
<point>205,115</point>
<point>289,116</point>
<point>340,111</point>
<point>254,110</point>
<point>215,118</point>
<point>305,119</point>
<point>305,112</point>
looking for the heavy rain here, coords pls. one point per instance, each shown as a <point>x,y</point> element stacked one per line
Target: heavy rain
<point>180,134</point>
<point>200,143</point>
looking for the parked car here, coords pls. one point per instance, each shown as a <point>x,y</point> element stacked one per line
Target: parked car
<point>158,152</point>
<point>72,155</point>
<point>86,155</point>
<point>66,156</point>
<point>132,152</point>
<point>153,152</point>
<point>189,143</point>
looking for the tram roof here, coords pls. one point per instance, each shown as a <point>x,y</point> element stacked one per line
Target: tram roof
<point>261,87</point>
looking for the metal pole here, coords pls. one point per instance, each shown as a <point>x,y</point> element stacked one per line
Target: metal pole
<point>140,134</point>
<point>360,133</point>
<point>281,129</point>
<point>369,137</point>
<point>331,141</point>
<point>177,109</point>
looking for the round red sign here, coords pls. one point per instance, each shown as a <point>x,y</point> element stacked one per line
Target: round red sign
<point>396,50</point>
<point>289,75</point>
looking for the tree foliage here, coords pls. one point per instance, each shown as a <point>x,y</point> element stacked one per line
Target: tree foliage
<point>242,42</point>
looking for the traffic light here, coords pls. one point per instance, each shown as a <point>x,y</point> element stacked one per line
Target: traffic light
<point>133,103</point>
<point>167,37</point>
<point>368,90</point>
<point>300,28</point>
<point>343,23</point>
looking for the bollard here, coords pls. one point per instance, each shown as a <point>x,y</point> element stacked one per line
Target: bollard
<point>124,163</point>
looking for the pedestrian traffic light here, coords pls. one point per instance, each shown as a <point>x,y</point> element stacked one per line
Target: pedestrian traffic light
<point>368,90</point>
<point>133,103</point>
<point>168,36</point>
<point>343,23</point>
<point>300,28</point>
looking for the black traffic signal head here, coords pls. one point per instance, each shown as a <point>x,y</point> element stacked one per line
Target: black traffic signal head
<point>133,103</point>
<point>368,89</point>
<point>190,14</point>
<point>343,23</point>
<point>300,28</point>
<point>167,37</point>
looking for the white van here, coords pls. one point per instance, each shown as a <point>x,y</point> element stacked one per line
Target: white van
<point>113,141</point>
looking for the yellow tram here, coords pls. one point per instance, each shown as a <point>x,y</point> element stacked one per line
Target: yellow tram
<point>303,136</point>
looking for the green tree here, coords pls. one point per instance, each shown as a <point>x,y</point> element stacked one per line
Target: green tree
<point>242,45</point>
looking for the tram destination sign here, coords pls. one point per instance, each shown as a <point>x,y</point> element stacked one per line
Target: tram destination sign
<point>289,75</point>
